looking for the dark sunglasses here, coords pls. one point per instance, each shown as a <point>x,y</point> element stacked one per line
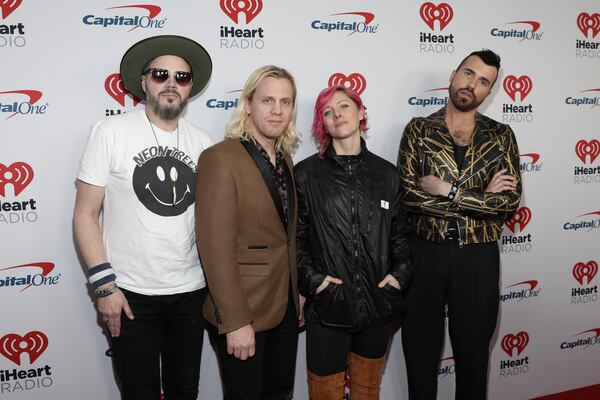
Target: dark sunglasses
<point>160,75</point>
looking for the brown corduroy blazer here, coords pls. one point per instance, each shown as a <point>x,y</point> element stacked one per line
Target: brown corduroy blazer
<point>248,256</point>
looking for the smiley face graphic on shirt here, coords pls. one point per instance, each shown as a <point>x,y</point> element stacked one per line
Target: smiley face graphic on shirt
<point>165,185</point>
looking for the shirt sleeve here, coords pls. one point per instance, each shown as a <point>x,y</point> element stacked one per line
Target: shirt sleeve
<point>94,167</point>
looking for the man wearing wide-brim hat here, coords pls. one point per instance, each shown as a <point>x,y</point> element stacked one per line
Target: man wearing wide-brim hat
<point>139,168</point>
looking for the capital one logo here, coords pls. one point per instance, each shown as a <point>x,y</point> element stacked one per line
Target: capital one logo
<point>137,21</point>
<point>355,82</point>
<point>587,22</point>
<point>513,85</point>
<point>8,6</point>
<point>153,11</point>
<point>442,13</point>
<point>534,157</point>
<point>587,270</point>
<point>33,344</point>
<point>447,369</point>
<point>511,342</point>
<point>521,219</point>
<point>18,174</point>
<point>595,331</point>
<point>33,279</point>
<point>116,89</point>
<point>233,8</point>
<point>24,107</point>
<point>532,284</point>
<point>583,149</point>
<point>534,24</point>
<point>529,162</point>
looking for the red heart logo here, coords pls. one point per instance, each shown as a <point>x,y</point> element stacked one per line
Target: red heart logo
<point>584,149</point>
<point>585,22</point>
<point>513,85</point>
<point>588,270</point>
<point>521,218</point>
<point>12,346</point>
<point>518,341</point>
<point>8,6</point>
<point>116,89</point>
<point>442,12</point>
<point>18,174</point>
<point>355,82</point>
<point>251,8</point>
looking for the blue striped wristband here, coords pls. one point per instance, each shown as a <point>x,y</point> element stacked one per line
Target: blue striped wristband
<point>101,274</point>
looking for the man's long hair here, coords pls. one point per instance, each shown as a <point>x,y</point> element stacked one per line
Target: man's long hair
<point>238,126</point>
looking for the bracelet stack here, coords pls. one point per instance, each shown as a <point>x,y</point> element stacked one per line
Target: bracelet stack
<point>453,191</point>
<point>100,275</point>
<point>100,293</point>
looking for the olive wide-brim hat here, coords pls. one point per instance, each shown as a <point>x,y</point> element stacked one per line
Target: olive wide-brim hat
<point>142,52</point>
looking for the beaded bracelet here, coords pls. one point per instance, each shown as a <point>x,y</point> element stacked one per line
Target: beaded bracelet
<point>106,291</point>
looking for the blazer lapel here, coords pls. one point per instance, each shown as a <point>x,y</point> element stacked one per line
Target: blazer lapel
<point>265,171</point>
<point>291,196</point>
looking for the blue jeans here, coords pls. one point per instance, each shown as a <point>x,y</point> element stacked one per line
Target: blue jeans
<point>167,332</point>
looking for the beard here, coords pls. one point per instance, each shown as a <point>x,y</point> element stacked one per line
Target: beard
<point>168,112</point>
<point>461,103</point>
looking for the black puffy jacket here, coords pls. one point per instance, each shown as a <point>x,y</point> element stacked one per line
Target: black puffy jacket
<point>350,227</point>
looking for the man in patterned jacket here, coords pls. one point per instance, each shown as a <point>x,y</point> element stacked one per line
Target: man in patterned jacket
<point>460,181</point>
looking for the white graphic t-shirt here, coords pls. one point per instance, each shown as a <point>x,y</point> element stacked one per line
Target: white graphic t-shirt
<point>148,209</point>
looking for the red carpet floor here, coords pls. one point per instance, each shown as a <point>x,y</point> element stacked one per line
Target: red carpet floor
<point>586,393</point>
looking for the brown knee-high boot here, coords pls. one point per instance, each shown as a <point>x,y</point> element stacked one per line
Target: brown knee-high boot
<point>330,387</point>
<point>365,377</point>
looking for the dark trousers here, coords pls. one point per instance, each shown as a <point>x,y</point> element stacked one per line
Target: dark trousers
<point>167,331</point>
<point>270,373</point>
<point>327,349</point>
<point>468,278</point>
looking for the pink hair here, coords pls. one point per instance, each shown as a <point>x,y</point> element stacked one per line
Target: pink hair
<point>321,137</point>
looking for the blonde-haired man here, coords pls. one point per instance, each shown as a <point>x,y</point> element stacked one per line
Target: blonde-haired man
<point>246,224</point>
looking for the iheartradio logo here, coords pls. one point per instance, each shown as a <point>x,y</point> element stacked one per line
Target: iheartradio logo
<point>521,218</point>
<point>513,85</point>
<point>511,342</point>
<point>583,149</point>
<point>8,6</point>
<point>355,82</point>
<point>116,89</point>
<point>442,13</point>
<point>233,8</point>
<point>585,22</point>
<point>33,343</point>
<point>18,174</point>
<point>587,270</point>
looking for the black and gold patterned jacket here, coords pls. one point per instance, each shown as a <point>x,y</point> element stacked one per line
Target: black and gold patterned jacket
<point>426,148</point>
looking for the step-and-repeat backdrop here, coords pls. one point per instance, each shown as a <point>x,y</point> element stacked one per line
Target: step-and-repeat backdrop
<point>59,66</point>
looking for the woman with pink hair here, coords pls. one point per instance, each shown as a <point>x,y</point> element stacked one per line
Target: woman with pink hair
<point>353,260</point>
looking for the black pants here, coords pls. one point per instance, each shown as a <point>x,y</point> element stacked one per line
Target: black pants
<point>269,375</point>
<point>468,278</point>
<point>167,331</point>
<point>327,349</point>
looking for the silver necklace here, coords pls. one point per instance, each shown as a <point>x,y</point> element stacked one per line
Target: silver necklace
<point>174,201</point>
